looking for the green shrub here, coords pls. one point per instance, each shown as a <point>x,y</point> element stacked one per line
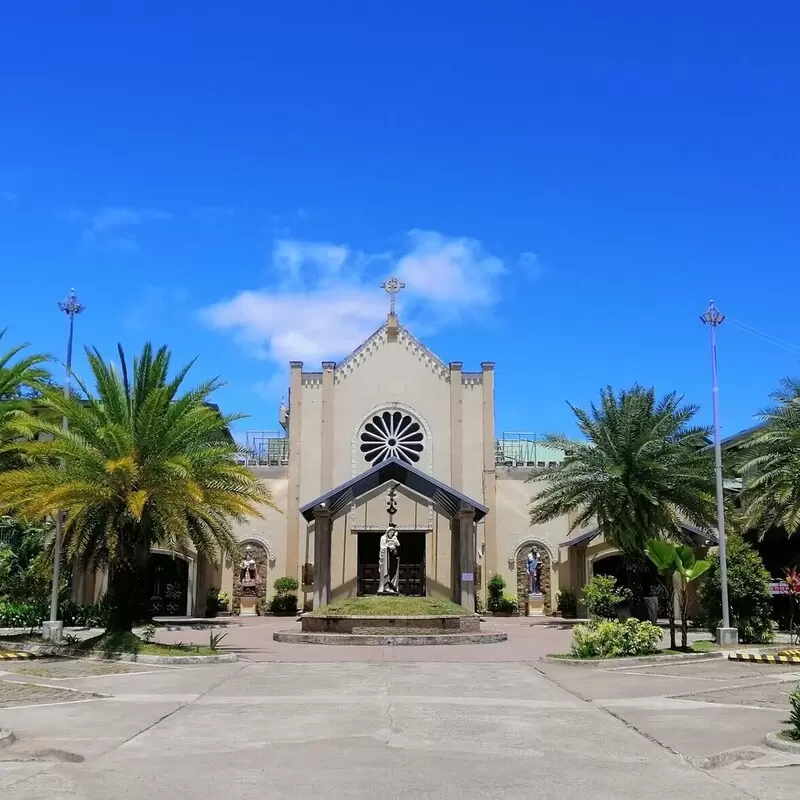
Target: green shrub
<point>285,585</point>
<point>83,616</point>
<point>615,639</point>
<point>495,589</point>
<point>567,604</point>
<point>283,603</point>
<point>285,599</point>
<point>22,615</point>
<point>509,604</point>
<point>749,595</point>
<point>601,597</point>
<point>794,711</point>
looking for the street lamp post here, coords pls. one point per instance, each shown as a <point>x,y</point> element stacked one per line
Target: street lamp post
<point>725,635</point>
<point>53,630</point>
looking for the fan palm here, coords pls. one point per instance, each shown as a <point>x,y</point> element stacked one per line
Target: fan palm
<point>144,463</point>
<point>771,469</point>
<point>19,380</point>
<point>641,469</point>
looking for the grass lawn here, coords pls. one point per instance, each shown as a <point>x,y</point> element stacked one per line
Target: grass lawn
<point>392,607</point>
<point>130,643</point>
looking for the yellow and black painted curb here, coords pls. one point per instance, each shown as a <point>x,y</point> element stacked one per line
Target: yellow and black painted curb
<point>7,655</point>
<point>787,657</point>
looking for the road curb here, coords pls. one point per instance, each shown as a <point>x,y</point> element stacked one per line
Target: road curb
<point>40,650</point>
<point>6,737</point>
<point>633,661</point>
<point>784,745</point>
<point>764,658</point>
<point>8,655</point>
<point>387,640</point>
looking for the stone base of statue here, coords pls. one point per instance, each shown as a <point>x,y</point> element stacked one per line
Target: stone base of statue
<point>535,605</point>
<point>248,607</point>
<point>388,591</point>
<point>248,602</point>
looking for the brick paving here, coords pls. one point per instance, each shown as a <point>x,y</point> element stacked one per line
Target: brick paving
<point>15,693</point>
<point>60,668</point>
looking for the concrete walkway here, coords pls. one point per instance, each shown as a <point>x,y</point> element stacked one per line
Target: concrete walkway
<point>321,722</point>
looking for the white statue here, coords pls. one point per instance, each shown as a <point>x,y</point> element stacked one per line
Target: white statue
<point>248,567</point>
<point>389,561</point>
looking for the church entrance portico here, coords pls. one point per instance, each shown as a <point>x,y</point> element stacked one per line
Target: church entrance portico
<point>411,578</point>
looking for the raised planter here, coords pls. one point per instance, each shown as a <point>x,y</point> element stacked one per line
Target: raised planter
<point>77,652</point>
<point>777,742</point>
<point>365,625</point>
<point>388,640</point>
<point>631,661</point>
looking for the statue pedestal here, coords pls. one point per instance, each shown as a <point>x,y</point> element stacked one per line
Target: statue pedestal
<point>535,607</point>
<point>247,607</point>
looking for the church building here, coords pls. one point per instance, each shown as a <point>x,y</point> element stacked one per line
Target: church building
<point>391,414</point>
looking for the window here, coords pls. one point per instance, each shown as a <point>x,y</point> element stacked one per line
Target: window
<point>392,434</point>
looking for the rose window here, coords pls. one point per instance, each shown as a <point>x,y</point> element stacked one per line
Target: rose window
<point>392,434</point>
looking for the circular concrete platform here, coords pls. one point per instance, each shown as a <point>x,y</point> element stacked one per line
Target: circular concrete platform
<point>389,639</point>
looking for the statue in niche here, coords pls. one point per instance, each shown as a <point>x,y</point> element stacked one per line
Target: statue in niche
<point>248,569</point>
<point>389,561</point>
<point>534,567</point>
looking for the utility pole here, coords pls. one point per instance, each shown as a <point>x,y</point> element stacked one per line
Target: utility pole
<point>725,635</point>
<point>54,629</point>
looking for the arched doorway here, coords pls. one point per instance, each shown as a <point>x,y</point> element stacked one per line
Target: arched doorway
<point>523,580</point>
<point>169,584</point>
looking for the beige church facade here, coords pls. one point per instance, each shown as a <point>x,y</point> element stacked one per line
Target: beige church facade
<point>390,414</point>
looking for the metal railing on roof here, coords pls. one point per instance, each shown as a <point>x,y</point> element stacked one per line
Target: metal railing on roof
<point>266,449</point>
<point>522,449</point>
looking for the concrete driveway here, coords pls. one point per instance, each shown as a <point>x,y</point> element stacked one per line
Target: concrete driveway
<point>493,723</point>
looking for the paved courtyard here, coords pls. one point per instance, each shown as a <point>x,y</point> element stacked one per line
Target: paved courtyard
<point>467,722</point>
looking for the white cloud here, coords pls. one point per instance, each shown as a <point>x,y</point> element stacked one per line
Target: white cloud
<point>113,227</point>
<point>325,298</point>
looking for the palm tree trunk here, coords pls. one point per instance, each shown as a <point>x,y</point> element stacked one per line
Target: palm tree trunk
<point>684,616</point>
<point>128,589</point>
<point>668,581</point>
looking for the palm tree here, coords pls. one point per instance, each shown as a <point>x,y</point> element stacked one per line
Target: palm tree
<point>144,463</point>
<point>20,380</point>
<point>641,469</point>
<point>771,468</point>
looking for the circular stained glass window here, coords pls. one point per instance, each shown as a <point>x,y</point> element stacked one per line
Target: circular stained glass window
<point>392,434</point>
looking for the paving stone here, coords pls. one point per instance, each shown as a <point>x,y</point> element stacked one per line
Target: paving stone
<point>69,668</point>
<point>15,693</point>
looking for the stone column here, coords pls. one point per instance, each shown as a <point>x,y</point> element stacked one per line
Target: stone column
<point>326,476</point>
<point>492,560</point>
<point>293,497</point>
<point>456,424</point>
<point>466,531</point>
<point>322,556</point>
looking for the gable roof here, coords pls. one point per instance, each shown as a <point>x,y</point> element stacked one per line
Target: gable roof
<point>381,333</point>
<point>444,497</point>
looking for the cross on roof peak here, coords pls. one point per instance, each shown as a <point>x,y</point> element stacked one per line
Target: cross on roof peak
<point>392,287</point>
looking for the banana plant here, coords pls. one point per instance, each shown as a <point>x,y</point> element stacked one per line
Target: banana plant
<point>689,569</point>
<point>665,559</point>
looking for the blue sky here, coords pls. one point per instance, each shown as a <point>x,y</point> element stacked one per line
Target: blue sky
<point>563,186</point>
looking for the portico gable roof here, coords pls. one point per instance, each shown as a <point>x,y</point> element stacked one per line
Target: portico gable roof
<point>444,497</point>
